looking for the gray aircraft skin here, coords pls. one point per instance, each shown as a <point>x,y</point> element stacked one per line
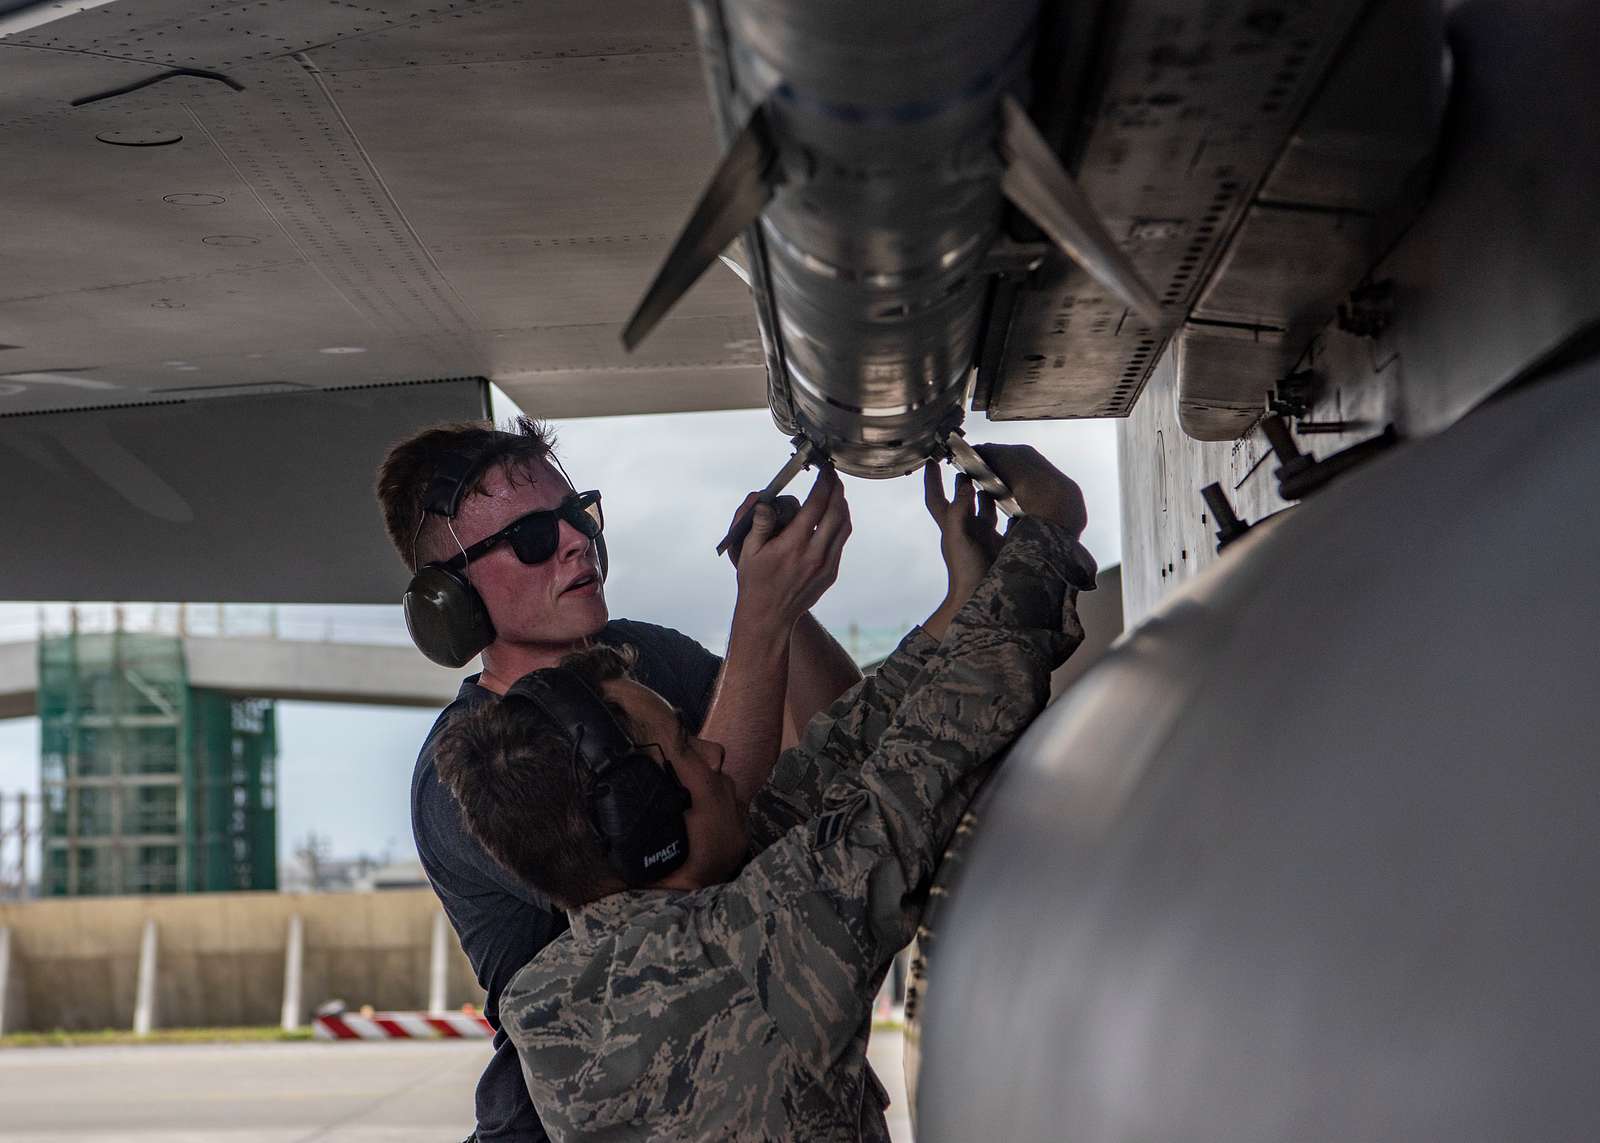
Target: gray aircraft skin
<point>1305,855</point>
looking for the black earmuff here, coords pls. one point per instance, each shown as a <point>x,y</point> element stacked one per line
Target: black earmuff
<point>636,803</point>
<point>445,614</point>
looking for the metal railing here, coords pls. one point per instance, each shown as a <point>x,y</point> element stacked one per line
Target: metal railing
<point>355,624</point>
<point>362,624</point>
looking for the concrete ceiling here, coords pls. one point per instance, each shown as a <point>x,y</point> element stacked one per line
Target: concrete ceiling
<point>400,190</point>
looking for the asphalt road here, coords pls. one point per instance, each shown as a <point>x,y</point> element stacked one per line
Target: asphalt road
<point>418,1092</point>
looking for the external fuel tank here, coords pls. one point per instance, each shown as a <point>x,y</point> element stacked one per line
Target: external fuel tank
<point>1310,855</point>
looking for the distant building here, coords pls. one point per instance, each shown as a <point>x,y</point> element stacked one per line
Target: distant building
<point>315,871</point>
<point>150,785</point>
<point>395,875</point>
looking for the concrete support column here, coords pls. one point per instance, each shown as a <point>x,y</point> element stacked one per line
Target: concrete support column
<point>439,964</point>
<point>294,956</point>
<point>144,1000</point>
<point>5,977</point>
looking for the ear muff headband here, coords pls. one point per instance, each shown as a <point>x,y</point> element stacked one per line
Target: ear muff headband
<point>636,803</point>
<point>449,485</point>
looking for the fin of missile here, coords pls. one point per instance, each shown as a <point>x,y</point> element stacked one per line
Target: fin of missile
<point>734,259</point>
<point>1040,187</point>
<point>738,192</point>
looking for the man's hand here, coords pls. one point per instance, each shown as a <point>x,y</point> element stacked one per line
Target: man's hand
<point>968,539</point>
<point>967,536</point>
<point>1040,487</point>
<point>787,507</point>
<point>782,573</point>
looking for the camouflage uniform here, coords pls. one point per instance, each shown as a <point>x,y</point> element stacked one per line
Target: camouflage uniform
<point>741,1011</point>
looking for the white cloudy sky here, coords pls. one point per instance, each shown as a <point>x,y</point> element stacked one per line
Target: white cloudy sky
<point>670,484</point>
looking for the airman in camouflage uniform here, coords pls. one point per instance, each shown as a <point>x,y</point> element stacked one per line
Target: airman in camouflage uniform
<point>742,1010</point>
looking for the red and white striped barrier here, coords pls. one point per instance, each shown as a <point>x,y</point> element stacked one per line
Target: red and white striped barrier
<point>402,1026</point>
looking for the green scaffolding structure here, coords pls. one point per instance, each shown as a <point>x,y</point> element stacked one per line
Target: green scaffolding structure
<point>151,785</point>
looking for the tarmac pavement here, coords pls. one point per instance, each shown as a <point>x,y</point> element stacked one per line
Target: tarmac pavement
<point>309,1092</point>
<point>241,1093</point>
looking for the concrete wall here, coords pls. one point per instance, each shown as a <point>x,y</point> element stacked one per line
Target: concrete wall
<point>221,957</point>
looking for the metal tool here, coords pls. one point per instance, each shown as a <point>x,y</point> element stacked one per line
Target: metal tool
<point>804,453</point>
<point>967,461</point>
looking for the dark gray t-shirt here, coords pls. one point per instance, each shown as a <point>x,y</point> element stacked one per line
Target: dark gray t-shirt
<point>503,923</point>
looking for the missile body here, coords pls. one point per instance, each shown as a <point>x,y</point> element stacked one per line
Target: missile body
<point>871,150</point>
<point>885,117</point>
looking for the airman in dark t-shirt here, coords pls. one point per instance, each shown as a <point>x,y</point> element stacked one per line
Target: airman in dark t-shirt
<point>509,562</point>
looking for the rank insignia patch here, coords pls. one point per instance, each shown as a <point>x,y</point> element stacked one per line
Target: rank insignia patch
<point>829,828</point>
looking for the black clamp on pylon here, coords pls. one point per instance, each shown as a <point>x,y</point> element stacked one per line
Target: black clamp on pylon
<point>1230,526</point>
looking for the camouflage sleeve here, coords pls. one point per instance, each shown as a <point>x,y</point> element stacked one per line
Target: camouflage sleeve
<point>840,737</point>
<point>812,922</point>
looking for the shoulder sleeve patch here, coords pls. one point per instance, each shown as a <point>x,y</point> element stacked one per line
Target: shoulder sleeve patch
<point>830,827</point>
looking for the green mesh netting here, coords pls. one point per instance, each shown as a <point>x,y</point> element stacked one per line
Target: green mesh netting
<point>151,785</point>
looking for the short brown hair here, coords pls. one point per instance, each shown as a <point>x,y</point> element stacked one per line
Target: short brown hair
<point>510,767</point>
<point>410,466</point>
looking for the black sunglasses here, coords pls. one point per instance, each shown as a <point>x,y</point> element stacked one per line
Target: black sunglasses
<point>535,537</point>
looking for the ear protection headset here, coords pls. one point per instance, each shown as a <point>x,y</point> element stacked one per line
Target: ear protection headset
<point>445,615</point>
<point>636,804</point>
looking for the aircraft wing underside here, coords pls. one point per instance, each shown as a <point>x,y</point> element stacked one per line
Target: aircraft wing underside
<point>211,203</point>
